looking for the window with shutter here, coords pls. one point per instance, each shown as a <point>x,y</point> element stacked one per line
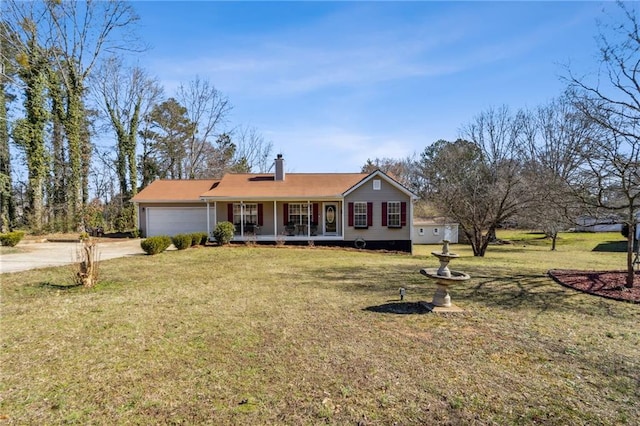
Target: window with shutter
<point>360,216</point>
<point>393,214</point>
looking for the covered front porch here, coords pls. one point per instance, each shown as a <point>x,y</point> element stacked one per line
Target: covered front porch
<point>279,220</point>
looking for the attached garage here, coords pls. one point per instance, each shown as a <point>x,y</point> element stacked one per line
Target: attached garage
<point>175,220</point>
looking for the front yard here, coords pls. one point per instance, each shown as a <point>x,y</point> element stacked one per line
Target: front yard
<point>265,335</point>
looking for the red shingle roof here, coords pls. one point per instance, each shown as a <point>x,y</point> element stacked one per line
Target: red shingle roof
<point>168,190</point>
<point>251,186</point>
<point>295,185</point>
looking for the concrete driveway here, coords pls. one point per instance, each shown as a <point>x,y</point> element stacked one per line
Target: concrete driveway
<point>42,255</point>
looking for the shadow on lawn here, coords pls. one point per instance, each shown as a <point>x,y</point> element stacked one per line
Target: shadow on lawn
<point>402,308</point>
<point>537,292</point>
<point>611,247</point>
<point>53,286</point>
<point>514,292</point>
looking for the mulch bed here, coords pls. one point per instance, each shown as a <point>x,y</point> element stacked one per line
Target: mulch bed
<point>609,284</point>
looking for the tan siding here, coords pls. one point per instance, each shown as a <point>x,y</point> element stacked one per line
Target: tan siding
<point>221,214</point>
<point>387,192</point>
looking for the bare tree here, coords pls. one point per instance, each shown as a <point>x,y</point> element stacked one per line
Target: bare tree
<point>79,33</point>
<point>479,181</point>
<point>556,135</point>
<point>253,149</point>
<point>403,170</point>
<point>125,95</point>
<point>610,99</point>
<point>207,109</point>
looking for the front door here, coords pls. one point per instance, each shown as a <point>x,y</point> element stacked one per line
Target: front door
<point>330,218</point>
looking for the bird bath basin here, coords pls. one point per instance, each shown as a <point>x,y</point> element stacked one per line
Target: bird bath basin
<point>443,276</point>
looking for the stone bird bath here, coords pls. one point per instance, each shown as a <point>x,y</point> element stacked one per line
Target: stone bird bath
<point>443,276</point>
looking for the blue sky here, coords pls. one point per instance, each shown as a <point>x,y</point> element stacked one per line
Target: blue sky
<point>334,83</point>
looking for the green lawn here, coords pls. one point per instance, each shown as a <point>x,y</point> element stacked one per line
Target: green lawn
<point>265,335</point>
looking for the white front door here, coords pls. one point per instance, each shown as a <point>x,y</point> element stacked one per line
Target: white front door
<point>330,218</point>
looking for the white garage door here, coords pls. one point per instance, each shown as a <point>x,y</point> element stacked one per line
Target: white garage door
<point>176,220</point>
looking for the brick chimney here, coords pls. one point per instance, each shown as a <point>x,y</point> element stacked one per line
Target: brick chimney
<point>279,167</point>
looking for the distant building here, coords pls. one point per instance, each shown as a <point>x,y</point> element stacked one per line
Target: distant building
<point>434,231</point>
<point>600,224</point>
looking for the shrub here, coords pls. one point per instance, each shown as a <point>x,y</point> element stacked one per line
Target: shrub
<point>155,245</point>
<point>224,232</point>
<point>181,241</point>
<point>11,239</point>
<point>199,238</point>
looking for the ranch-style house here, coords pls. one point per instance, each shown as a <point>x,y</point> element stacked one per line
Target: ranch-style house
<point>339,209</point>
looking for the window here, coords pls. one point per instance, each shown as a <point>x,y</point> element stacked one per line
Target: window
<point>393,214</point>
<point>436,231</point>
<point>250,213</point>
<point>360,215</point>
<point>376,184</point>
<point>299,213</point>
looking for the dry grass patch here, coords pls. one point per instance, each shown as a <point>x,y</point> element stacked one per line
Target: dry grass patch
<point>239,335</point>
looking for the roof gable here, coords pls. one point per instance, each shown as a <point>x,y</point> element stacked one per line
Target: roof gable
<point>380,174</point>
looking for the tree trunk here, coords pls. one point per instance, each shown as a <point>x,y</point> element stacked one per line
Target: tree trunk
<point>630,272</point>
<point>554,238</point>
<point>7,210</point>
<point>73,128</point>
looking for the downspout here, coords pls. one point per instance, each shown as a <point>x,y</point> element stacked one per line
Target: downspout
<point>344,216</point>
<point>137,209</point>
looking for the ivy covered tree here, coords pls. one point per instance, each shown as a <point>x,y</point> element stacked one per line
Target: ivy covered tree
<point>7,207</point>
<point>125,96</point>
<point>29,132</point>
<point>80,32</point>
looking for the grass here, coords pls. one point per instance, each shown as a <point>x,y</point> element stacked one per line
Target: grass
<point>255,335</point>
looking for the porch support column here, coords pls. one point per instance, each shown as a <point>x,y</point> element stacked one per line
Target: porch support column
<point>215,213</point>
<point>344,217</point>
<point>208,221</point>
<point>241,218</point>
<point>309,213</point>
<point>275,220</point>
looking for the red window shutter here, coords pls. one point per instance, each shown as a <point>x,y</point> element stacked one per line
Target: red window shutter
<point>230,212</point>
<point>384,213</point>
<point>369,214</point>
<point>285,213</point>
<point>316,216</point>
<point>260,214</point>
<point>403,214</point>
<point>350,214</point>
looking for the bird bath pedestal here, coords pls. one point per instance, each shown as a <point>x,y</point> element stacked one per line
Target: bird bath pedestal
<point>443,276</point>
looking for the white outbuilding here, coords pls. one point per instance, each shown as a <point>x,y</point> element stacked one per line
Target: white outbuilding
<point>434,231</point>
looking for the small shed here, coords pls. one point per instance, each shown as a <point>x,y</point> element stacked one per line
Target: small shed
<point>434,231</point>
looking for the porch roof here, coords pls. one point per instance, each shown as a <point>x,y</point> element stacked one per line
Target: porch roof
<point>301,186</point>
